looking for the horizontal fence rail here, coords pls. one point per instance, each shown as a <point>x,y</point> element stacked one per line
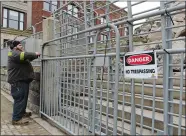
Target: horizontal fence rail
<point>83,87</point>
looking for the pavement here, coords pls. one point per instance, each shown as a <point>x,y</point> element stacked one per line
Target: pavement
<point>37,126</point>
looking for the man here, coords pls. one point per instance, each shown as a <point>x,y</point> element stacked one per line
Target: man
<point>20,74</point>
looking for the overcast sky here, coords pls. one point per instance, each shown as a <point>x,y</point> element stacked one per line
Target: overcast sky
<point>140,7</point>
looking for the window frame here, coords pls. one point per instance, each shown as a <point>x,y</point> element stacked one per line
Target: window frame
<point>72,10</point>
<point>8,19</point>
<point>50,2</point>
<point>103,38</point>
<point>5,43</point>
<point>104,20</point>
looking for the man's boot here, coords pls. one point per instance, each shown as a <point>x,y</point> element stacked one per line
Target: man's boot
<point>20,122</point>
<point>27,114</point>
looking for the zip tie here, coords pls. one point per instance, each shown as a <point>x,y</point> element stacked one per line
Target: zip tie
<point>129,22</point>
<point>169,16</point>
<point>166,51</point>
<point>107,24</point>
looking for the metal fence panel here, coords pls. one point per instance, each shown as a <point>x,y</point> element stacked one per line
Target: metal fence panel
<point>83,88</point>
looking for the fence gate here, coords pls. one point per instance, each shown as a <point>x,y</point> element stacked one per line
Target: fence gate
<point>83,87</point>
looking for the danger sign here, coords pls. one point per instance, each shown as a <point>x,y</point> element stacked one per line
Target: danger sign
<point>140,65</point>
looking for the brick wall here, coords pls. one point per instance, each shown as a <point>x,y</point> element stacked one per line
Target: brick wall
<point>112,16</point>
<point>38,13</point>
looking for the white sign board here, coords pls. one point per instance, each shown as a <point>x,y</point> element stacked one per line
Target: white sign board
<point>142,65</point>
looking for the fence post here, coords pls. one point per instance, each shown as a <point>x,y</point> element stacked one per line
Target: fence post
<point>167,72</point>
<point>133,109</point>
<point>90,104</point>
<point>170,73</point>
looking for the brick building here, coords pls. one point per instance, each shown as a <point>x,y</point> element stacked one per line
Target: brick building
<point>77,15</point>
<point>19,16</point>
<point>15,18</point>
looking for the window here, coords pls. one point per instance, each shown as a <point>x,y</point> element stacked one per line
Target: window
<point>72,10</point>
<point>103,38</point>
<point>89,18</point>
<point>74,30</point>
<point>25,1</point>
<point>103,20</point>
<point>5,43</point>
<point>50,5</point>
<point>90,39</point>
<point>126,31</point>
<point>13,19</point>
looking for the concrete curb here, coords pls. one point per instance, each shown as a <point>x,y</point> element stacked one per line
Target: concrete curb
<point>36,118</point>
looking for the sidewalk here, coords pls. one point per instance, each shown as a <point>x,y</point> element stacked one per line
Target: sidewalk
<point>32,129</point>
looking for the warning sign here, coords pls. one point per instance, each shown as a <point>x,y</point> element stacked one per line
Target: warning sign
<point>140,65</point>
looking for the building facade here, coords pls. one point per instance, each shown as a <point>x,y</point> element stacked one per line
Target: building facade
<point>21,15</point>
<point>76,15</point>
<point>14,17</point>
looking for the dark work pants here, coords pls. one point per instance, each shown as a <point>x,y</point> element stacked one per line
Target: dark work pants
<point>19,92</point>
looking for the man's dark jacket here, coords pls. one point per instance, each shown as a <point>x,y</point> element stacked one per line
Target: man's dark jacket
<point>19,66</point>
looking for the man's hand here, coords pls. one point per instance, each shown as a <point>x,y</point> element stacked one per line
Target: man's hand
<point>38,54</point>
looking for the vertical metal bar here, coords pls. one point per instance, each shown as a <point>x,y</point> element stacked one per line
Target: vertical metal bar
<point>101,90</point>
<point>91,103</point>
<point>42,86</point>
<point>75,95</point>
<point>142,104</point>
<point>48,102</point>
<point>94,95</point>
<point>71,93</point>
<point>59,89</point>
<point>123,104</point>
<point>84,94</point>
<point>116,80</point>
<point>153,105</point>
<point>53,91</point>
<point>45,87</point>
<point>56,91</point>
<point>133,109</point>
<point>165,69</point>
<point>79,90</point>
<point>181,94</point>
<point>64,89</point>
<point>48,89</point>
<point>61,20</point>
<point>108,89</point>
<point>87,82</point>
<point>42,80</point>
<point>170,72</point>
<point>87,65</point>
<point>85,18</point>
<point>67,95</point>
<point>89,96</point>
